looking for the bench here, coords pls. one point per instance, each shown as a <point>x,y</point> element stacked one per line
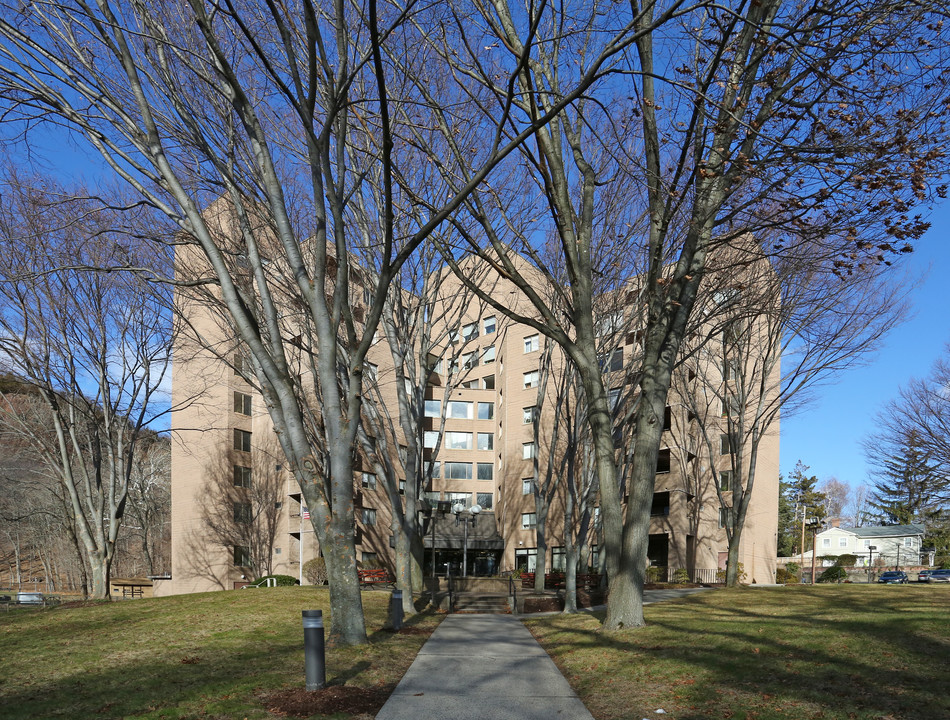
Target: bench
<point>375,576</point>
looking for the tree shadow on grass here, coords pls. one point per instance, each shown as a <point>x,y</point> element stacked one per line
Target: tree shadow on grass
<point>811,654</point>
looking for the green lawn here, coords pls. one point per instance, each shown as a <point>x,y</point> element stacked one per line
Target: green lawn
<point>211,655</point>
<point>837,651</point>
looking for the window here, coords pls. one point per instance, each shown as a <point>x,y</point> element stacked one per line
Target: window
<point>488,355</point>
<point>532,343</point>
<point>369,516</point>
<point>458,471</point>
<point>430,439</point>
<point>433,409</point>
<point>660,504</point>
<point>433,469</point>
<point>527,451</point>
<point>730,370</point>
<point>488,324</point>
<point>529,415</point>
<point>469,331</point>
<point>724,517</point>
<point>488,382</point>
<point>242,403</point>
<point>459,410</point>
<point>242,555</point>
<point>486,500</point>
<point>826,542</point>
<point>867,544</point>
<point>531,379</point>
<point>725,446</point>
<point>529,521</point>
<point>663,460</point>
<point>240,367</point>
<point>527,486</point>
<point>370,558</point>
<point>486,411</point>
<point>470,385</point>
<point>486,471</point>
<point>613,398</point>
<point>402,487</point>
<point>609,323</point>
<point>526,559</point>
<point>369,480</point>
<point>433,496</point>
<point>558,559</point>
<point>459,498</point>
<point>458,441</point>
<point>843,542</point>
<point>725,480</point>
<point>730,408</point>
<point>242,513</point>
<point>242,440</point>
<point>470,360</point>
<point>908,542</point>
<point>613,361</point>
<point>242,476</point>
<point>486,441</point>
<point>371,371</point>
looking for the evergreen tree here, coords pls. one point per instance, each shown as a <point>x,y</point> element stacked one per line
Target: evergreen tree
<point>787,526</point>
<point>908,487</point>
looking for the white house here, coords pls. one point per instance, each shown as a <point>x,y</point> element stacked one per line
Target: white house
<point>895,544</point>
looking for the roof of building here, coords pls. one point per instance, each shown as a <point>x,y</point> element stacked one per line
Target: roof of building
<point>886,530</point>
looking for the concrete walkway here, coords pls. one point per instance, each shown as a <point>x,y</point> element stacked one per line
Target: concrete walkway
<point>483,667</point>
<point>488,667</point>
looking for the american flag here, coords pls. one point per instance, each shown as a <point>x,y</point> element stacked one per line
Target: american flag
<point>304,513</point>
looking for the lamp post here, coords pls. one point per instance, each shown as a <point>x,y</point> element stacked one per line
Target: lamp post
<point>441,507</point>
<point>871,549</point>
<point>815,525</point>
<point>472,512</point>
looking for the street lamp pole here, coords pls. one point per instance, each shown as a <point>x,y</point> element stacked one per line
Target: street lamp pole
<point>473,518</point>
<point>871,549</point>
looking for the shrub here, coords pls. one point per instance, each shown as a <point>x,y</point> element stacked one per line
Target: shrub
<point>783,576</point>
<point>681,575</point>
<point>793,567</point>
<point>740,574</point>
<point>846,560</point>
<point>282,580</point>
<point>833,574</point>
<point>653,574</point>
<point>315,570</point>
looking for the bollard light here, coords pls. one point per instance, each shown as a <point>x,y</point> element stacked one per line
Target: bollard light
<point>313,650</point>
<point>395,610</point>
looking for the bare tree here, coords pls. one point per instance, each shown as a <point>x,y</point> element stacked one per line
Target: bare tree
<point>791,117</point>
<point>281,110</point>
<point>94,347</point>
<point>837,496</point>
<point>147,528</point>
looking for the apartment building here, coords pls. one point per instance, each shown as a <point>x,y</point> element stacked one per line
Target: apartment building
<point>493,439</point>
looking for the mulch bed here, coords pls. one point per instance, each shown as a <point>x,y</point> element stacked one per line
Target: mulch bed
<point>298,702</point>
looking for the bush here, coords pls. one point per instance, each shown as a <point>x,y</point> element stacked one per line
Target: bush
<point>783,576</point>
<point>315,571</point>
<point>282,580</point>
<point>833,574</point>
<point>846,560</point>
<point>681,575</point>
<point>653,574</point>
<point>793,567</point>
<point>740,574</point>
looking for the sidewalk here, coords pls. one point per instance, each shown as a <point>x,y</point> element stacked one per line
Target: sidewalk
<point>483,667</point>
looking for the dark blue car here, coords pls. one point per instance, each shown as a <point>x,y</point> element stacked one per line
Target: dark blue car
<point>893,577</point>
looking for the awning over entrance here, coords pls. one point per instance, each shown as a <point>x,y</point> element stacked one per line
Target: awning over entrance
<point>450,536</point>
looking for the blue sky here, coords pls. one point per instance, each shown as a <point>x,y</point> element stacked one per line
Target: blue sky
<point>826,435</point>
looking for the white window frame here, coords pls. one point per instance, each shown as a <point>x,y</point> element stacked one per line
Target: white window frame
<point>532,379</point>
<point>532,343</point>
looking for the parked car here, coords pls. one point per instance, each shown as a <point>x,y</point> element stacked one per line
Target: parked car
<point>893,577</point>
<point>924,576</point>
<point>940,576</point>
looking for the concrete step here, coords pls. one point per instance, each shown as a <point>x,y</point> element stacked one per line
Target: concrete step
<point>486,604</point>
